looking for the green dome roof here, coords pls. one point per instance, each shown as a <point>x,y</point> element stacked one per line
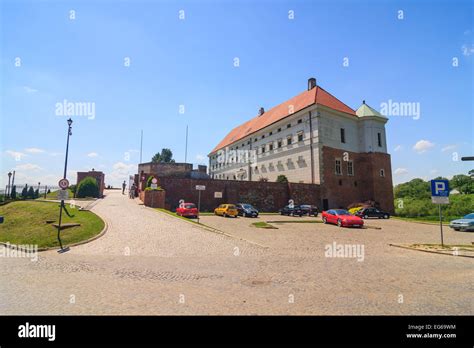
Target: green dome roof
<point>365,110</point>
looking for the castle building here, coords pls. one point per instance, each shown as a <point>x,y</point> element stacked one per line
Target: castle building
<point>312,138</point>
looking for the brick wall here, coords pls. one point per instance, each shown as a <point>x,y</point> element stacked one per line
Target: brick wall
<point>365,184</point>
<point>266,196</point>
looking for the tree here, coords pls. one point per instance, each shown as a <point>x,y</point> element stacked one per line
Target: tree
<point>31,193</point>
<point>166,156</point>
<point>416,188</point>
<point>88,187</point>
<point>282,178</point>
<point>471,173</point>
<point>462,183</point>
<point>37,193</point>
<point>13,193</point>
<point>24,192</point>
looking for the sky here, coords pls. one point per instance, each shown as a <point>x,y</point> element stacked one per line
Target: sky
<point>158,66</point>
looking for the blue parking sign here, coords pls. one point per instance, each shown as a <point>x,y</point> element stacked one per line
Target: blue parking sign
<point>439,188</point>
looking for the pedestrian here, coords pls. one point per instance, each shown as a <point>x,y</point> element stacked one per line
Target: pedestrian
<point>124,185</point>
<point>132,191</point>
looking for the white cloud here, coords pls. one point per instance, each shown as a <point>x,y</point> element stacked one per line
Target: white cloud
<point>15,154</point>
<point>401,171</point>
<point>200,157</point>
<point>467,49</point>
<point>434,171</point>
<point>92,154</point>
<point>34,150</point>
<point>28,167</point>
<point>29,89</point>
<point>120,172</point>
<point>398,148</point>
<point>423,146</point>
<point>448,148</point>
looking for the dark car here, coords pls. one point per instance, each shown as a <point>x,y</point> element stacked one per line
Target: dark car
<point>246,210</point>
<point>309,209</point>
<point>366,213</point>
<point>295,210</point>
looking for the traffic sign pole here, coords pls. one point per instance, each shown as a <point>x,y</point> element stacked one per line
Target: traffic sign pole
<point>441,225</point>
<point>199,204</point>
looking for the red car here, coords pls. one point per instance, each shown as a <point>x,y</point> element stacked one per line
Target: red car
<point>187,210</point>
<point>341,218</point>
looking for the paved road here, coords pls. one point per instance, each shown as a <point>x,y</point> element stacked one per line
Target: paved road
<point>152,263</point>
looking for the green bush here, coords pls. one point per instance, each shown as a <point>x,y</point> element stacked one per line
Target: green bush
<point>459,205</point>
<point>88,187</point>
<point>282,178</point>
<point>31,193</point>
<point>13,193</point>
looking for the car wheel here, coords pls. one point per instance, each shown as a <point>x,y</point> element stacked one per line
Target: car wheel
<point>385,216</point>
<point>244,214</point>
<point>325,221</point>
<point>366,216</point>
<point>339,222</point>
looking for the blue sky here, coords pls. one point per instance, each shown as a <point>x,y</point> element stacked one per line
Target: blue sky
<point>190,62</point>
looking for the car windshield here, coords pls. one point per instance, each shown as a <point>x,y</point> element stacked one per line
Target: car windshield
<point>305,206</point>
<point>247,206</point>
<point>341,212</point>
<point>190,206</point>
<point>231,206</point>
<point>469,216</point>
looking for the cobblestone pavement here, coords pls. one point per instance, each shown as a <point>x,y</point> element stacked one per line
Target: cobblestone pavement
<point>151,263</point>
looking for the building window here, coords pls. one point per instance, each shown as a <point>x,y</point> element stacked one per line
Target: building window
<point>343,135</point>
<point>300,120</point>
<point>338,167</point>
<point>288,140</point>
<point>382,173</point>
<point>271,133</point>
<point>379,139</point>
<point>300,136</point>
<point>350,168</point>
<point>279,143</point>
<point>340,182</point>
<point>355,183</point>
<point>288,125</point>
<point>279,129</point>
<point>263,136</point>
<point>270,146</point>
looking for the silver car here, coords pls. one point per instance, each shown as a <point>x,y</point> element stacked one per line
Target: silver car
<point>464,224</point>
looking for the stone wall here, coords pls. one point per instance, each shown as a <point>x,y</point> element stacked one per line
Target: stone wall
<point>266,196</point>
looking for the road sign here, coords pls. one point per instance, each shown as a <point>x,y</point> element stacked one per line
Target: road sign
<point>63,183</point>
<point>154,181</point>
<point>200,187</point>
<point>63,195</point>
<point>440,191</point>
<point>440,195</point>
<point>154,186</point>
<point>217,194</point>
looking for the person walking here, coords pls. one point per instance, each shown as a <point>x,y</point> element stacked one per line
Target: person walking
<point>132,191</point>
<point>124,185</point>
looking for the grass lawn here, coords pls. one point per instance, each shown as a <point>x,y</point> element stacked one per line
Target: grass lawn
<point>25,223</point>
<point>428,219</point>
<point>53,195</point>
<point>263,224</point>
<point>296,222</point>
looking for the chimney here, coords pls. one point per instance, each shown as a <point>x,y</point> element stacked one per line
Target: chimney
<point>261,111</point>
<point>311,83</point>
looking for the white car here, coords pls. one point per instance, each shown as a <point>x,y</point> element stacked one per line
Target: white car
<point>464,224</point>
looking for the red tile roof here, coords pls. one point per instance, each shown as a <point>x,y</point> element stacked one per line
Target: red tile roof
<point>316,95</point>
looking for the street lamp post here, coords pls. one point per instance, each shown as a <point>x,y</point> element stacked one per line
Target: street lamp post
<point>7,194</point>
<point>69,133</point>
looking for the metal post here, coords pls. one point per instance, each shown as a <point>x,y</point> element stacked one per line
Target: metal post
<point>64,177</point>
<point>45,190</point>
<point>199,205</point>
<point>441,225</point>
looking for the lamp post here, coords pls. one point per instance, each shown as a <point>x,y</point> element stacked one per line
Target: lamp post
<point>8,187</point>
<point>69,133</point>
<point>13,181</point>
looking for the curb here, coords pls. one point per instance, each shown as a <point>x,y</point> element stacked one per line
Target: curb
<point>428,251</point>
<point>104,230</point>
<point>420,222</point>
<point>211,229</point>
